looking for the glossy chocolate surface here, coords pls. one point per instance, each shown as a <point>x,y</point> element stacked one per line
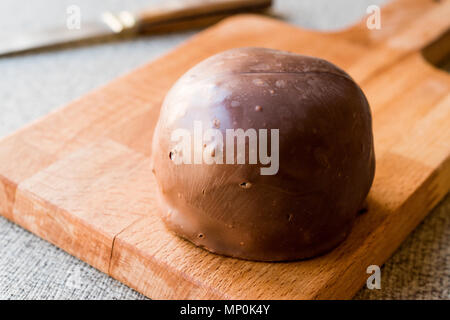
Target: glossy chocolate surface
<point>326,156</point>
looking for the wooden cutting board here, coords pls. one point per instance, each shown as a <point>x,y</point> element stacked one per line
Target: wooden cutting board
<point>80,177</point>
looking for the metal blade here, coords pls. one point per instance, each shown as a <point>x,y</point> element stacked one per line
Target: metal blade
<point>56,37</point>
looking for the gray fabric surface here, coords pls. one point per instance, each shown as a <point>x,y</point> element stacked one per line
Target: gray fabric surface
<point>33,85</point>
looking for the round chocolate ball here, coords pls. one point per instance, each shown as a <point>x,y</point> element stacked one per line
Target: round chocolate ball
<point>299,202</point>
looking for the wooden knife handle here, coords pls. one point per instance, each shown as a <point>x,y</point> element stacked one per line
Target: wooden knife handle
<point>182,10</point>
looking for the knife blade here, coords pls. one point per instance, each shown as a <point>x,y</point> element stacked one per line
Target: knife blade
<point>169,16</point>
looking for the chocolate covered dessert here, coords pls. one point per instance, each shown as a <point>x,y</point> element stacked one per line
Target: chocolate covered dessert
<point>279,158</point>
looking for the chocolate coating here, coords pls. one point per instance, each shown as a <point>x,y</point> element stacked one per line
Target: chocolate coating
<point>326,155</point>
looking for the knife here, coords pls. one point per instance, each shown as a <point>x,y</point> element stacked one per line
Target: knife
<point>170,16</point>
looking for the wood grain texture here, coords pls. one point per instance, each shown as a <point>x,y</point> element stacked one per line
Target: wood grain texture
<point>49,203</point>
<point>80,177</point>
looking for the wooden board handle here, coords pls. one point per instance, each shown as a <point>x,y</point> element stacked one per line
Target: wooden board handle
<point>411,24</point>
<point>180,10</point>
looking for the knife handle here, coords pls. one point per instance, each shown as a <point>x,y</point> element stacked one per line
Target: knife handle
<point>184,10</point>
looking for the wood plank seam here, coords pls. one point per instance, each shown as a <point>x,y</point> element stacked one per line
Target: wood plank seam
<point>39,207</point>
<point>169,271</point>
<point>113,244</point>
